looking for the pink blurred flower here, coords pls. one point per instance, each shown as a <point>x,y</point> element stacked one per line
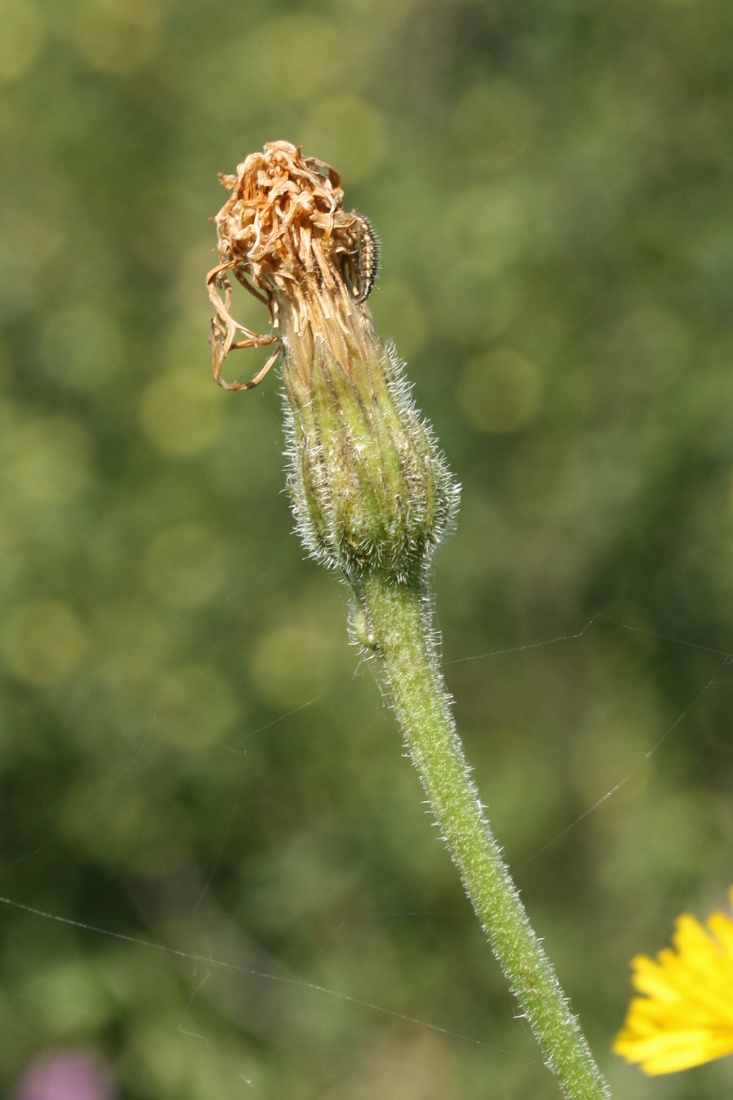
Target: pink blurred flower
<point>67,1075</point>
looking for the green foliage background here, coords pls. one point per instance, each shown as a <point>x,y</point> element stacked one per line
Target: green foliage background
<point>187,754</point>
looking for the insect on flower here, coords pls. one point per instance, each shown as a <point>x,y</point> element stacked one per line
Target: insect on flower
<point>364,261</point>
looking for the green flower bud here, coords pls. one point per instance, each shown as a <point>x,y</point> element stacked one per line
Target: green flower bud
<point>369,487</point>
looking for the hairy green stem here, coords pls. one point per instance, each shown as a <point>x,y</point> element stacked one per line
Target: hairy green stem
<point>395,615</point>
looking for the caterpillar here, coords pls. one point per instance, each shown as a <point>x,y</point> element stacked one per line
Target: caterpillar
<point>364,261</point>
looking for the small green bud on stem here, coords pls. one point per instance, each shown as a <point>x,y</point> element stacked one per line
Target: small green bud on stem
<point>369,488</point>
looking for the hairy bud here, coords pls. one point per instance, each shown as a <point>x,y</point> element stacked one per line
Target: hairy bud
<point>370,490</point>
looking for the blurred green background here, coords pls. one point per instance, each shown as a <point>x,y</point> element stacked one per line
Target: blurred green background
<point>191,754</point>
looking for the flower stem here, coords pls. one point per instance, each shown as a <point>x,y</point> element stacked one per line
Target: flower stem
<point>372,497</point>
<point>396,616</point>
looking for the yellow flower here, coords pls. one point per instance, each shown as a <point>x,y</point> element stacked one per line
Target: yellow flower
<point>685,1016</point>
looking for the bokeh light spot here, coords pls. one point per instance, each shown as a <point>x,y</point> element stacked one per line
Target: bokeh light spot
<point>43,641</point>
<point>293,664</point>
<point>486,229</point>
<point>303,56</point>
<point>68,992</point>
<point>81,347</point>
<point>499,391</point>
<point>22,36</point>
<point>118,36</point>
<point>194,705</point>
<point>181,411</point>
<point>185,565</point>
<point>46,461</point>
<point>495,120</point>
<point>474,310</point>
<point>348,132</point>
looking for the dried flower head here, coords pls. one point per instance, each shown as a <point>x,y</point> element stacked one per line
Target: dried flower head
<point>285,236</point>
<point>369,487</point>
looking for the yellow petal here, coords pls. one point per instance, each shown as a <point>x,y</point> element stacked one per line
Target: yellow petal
<point>685,1016</point>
